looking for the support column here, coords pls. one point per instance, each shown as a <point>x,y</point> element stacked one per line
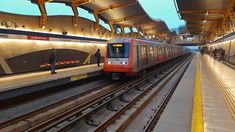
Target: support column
<point>231,14</point>
<point>112,29</point>
<point>122,30</point>
<point>43,18</point>
<point>138,30</point>
<point>231,18</point>
<point>74,6</point>
<point>96,15</point>
<point>131,33</point>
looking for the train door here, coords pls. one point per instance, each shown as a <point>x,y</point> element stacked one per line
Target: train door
<point>144,57</point>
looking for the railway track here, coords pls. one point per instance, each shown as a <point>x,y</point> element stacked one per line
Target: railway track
<point>144,98</point>
<point>18,123</point>
<point>65,114</point>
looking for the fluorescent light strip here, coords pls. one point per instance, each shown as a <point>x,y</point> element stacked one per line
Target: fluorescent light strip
<point>51,42</point>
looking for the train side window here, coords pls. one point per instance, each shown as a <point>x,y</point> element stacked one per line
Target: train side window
<point>165,51</point>
<point>171,52</point>
<point>159,50</point>
<point>144,54</point>
<point>155,50</point>
<point>151,51</point>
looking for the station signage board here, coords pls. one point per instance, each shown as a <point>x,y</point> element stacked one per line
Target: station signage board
<point>44,38</point>
<point>37,38</point>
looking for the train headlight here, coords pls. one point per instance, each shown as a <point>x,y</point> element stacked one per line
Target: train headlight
<point>109,62</point>
<point>124,63</point>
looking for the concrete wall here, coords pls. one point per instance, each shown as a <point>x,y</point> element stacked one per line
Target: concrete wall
<point>55,24</point>
<point>26,55</point>
<point>19,55</point>
<point>182,39</point>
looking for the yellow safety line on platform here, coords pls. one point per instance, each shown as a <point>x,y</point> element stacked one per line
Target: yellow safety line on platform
<point>197,118</point>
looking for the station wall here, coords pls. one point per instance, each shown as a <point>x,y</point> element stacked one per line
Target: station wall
<point>30,55</point>
<point>228,46</point>
<point>22,55</point>
<point>2,72</point>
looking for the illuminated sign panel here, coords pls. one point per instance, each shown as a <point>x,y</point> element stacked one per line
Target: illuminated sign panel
<point>117,45</point>
<point>37,38</point>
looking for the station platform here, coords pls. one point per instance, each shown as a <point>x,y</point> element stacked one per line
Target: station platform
<point>203,101</point>
<point>15,85</point>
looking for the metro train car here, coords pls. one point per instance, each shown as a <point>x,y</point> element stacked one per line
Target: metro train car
<point>128,56</point>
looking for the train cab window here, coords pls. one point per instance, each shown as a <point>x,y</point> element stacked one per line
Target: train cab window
<point>118,50</point>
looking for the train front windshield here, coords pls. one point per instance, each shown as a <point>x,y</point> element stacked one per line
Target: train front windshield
<point>118,50</point>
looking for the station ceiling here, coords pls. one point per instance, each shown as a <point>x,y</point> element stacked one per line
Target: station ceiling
<point>210,18</point>
<point>116,13</point>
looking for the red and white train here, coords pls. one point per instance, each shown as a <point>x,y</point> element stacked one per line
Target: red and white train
<point>129,56</point>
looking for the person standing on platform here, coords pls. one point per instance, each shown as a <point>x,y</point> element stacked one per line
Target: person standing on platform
<point>202,51</point>
<point>222,54</point>
<point>215,52</point>
<point>52,61</point>
<point>97,55</point>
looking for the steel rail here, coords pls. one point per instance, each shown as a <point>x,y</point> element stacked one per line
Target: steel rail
<point>109,121</point>
<point>100,100</point>
<point>43,109</point>
<point>153,121</point>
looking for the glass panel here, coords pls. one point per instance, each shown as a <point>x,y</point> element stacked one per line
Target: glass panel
<point>150,51</point>
<point>143,55</point>
<point>118,50</point>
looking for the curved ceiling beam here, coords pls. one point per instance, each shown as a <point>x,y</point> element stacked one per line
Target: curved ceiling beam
<point>89,5</point>
<point>82,2</point>
<point>42,8</point>
<point>74,4</point>
<point>75,12</point>
<point>202,19</point>
<point>202,11</point>
<point>129,18</point>
<point>112,7</point>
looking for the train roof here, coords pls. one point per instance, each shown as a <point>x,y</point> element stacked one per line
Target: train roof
<point>126,40</point>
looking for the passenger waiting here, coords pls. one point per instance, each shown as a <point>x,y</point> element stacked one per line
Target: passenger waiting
<point>222,54</point>
<point>215,52</point>
<point>97,55</point>
<point>52,60</point>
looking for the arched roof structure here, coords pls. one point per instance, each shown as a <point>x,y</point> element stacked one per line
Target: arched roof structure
<point>211,18</point>
<point>116,13</point>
